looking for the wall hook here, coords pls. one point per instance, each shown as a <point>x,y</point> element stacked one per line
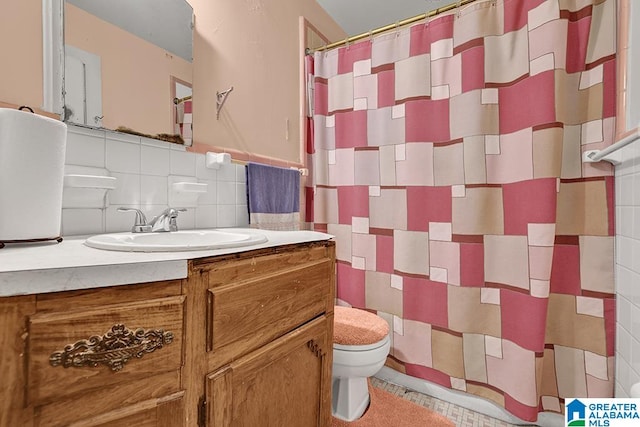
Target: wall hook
<point>221,98</point>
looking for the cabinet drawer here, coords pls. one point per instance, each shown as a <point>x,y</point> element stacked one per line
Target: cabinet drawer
<point>104,346</point>
<point>246,314</point>
<point>165,411</point>
<point>109,402</point>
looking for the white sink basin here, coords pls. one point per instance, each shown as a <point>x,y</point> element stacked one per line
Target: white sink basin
<point>175,241</point>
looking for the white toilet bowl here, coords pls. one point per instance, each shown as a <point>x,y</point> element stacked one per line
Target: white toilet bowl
<point>353,364</point>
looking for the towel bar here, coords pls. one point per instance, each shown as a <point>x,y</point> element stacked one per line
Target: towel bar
<point>611,153</point>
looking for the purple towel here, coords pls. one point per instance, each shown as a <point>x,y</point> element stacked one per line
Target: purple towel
<point>273,197</point>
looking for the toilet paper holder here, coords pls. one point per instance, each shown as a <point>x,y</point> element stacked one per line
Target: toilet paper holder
<point>46,239</point>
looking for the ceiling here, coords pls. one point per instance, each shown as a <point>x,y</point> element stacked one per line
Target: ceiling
<point>360,16</point>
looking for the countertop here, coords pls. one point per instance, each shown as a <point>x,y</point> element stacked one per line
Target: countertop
<point>52,267</point>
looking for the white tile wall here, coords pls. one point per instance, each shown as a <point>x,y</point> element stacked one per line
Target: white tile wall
<point>143,167</point>
<point>628,270</point>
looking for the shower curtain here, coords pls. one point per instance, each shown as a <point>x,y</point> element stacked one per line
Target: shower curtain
<point>447,163</point>
<point>184,118</point>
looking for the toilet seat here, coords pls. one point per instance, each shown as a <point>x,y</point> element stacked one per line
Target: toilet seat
<point>360,361</point>
<point>353,327</point>
<point>365,347</point>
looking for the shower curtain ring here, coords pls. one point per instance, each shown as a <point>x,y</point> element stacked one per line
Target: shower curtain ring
<point>397,28</point>
<point>458,5</point>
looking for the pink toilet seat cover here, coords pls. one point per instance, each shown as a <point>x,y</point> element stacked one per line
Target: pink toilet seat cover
<point>352,326</point>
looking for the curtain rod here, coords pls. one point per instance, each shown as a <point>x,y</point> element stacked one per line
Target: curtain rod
<point>181,100</point>
<point>389,27</point>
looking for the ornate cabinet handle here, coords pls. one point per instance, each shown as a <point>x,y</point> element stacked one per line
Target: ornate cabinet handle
<point>113,349</point>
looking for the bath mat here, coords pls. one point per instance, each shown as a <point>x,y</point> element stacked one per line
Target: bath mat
<point>387,410</point>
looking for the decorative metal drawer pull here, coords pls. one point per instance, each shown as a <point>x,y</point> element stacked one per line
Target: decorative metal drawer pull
<point>113,349</point>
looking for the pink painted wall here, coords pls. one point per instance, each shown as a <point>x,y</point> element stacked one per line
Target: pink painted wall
<point>136,85</point>
<point>21,48</point>
<point>254,47</point>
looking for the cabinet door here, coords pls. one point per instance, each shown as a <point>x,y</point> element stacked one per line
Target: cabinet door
<point>285,383</point>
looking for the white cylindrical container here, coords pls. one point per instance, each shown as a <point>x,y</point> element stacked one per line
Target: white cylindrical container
<point>32,153</point>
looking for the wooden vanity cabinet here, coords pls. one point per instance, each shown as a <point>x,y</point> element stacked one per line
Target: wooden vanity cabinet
<point>269,337</point>
<point>245,340</point>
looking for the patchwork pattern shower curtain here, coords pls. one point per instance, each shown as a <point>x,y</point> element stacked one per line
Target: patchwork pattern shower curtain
<point>447,162</point>
<point>184,119</point>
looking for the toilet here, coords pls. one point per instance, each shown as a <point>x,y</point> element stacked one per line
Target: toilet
<point>361,343</point>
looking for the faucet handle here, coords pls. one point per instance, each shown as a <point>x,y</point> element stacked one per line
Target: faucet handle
<point>166,221</point>
<point>140,225</point>
<point>172,214</point>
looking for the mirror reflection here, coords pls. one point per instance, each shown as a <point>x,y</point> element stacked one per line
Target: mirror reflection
<point>128,66</point>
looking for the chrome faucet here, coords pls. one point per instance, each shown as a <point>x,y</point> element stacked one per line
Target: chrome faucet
<point>166,221</point>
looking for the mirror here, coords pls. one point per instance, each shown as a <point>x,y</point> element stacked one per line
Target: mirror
<point>128,66</point>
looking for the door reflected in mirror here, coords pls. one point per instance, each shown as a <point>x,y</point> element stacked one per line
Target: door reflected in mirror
<point>121,80</point>
<point>182,110</point>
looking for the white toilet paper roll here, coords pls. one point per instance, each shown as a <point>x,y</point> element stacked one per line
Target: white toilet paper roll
<point>32,153</point>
